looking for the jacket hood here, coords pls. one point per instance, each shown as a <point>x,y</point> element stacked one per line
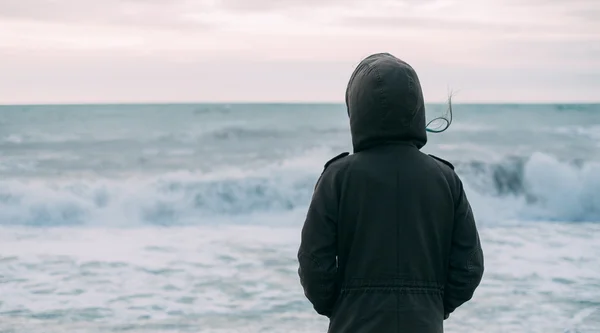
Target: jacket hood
<point>385,103</point>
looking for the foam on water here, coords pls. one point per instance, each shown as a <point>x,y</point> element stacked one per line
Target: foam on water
<point>537,188</point>
<point>244,279</point>
<point>175,198</point>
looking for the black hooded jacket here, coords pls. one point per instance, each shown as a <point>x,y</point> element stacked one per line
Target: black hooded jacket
<point>390,242</point>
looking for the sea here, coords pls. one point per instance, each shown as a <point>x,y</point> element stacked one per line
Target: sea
<point>187,217</point>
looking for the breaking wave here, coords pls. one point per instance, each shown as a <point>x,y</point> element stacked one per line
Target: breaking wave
<point>539,187</point>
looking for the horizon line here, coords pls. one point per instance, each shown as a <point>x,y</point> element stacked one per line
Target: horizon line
<point>291,103</point>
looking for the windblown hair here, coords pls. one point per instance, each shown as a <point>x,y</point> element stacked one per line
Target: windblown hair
<point>440,124</point>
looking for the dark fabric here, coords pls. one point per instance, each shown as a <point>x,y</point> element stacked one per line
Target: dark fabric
<point>389,243</point>
<point>385,103</point>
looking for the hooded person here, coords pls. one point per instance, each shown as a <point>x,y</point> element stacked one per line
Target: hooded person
<point>389,243</point>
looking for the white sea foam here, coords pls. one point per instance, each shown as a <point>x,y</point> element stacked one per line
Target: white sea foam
<point>538,188</point>
<point>538,278</point>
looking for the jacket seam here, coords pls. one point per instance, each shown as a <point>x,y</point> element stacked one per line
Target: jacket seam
<point>439,167</point>
<point>394,282</point>
<point>394,289</point>
<point>470,267</point>
<point>383,100</point>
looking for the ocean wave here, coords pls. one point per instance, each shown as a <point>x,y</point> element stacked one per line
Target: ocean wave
<point>169,200</point>
<point>241,133</point>
<point>172,199</point>
<point>472,127</point>
<point>590,132</point>
<point>539,187</point>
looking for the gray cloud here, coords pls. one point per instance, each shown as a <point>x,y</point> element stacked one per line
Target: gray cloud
<point>176,13</point>
<point>563,3</point>
<point>173,12</point>
<point>582,9</point>
<point>270,5</point>
<point>426,23</point>
<point>573,21</point>
<point>592,15</point>
<point>135,13</point>
<point>287,5</point>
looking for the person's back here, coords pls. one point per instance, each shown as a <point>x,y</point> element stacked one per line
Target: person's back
<point>389,243</point>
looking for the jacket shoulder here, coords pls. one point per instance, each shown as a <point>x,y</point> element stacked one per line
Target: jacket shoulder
<point>442,161</point>
<point>331,161</point>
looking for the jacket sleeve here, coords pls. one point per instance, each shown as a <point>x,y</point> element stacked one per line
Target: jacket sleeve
<point>466,256</point>
<point>317,255</point>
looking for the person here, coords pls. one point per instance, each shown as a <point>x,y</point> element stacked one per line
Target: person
<point>389,243</point>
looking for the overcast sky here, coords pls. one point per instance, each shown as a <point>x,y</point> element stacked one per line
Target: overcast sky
<point>82,51</point>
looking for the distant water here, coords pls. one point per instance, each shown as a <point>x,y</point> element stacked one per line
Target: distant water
<point>186,218</point>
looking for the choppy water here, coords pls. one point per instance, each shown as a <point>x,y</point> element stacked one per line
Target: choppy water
<point>186,218</point>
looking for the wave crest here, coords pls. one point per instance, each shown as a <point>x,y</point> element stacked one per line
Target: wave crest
<point>537,187</point>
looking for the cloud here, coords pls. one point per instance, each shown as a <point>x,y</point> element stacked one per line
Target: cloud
<point>179,49</point>
<point>278,5</point>
<point>270,5</point>
<point>270,16</point>
<point>564,12</point>
<point>132,13</point>
<point>428,23</point>
<point>591,15</point>
<point>473,27</point>
<point>109,77</point>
